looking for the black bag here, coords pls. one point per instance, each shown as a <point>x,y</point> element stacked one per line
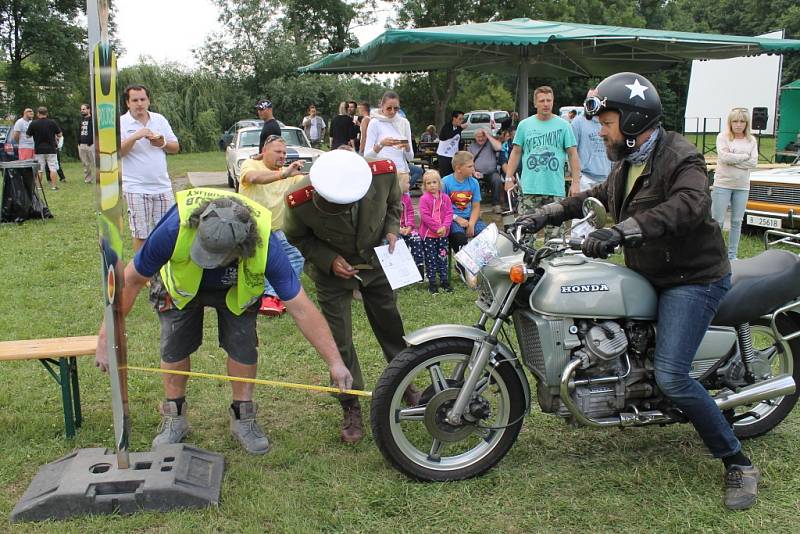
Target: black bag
<point>20,198</point>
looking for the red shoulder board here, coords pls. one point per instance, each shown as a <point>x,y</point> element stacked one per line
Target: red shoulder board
<point>384,166</point>
<point>299,197</point>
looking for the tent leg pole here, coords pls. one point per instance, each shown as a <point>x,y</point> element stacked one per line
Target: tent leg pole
<point>522,89</point>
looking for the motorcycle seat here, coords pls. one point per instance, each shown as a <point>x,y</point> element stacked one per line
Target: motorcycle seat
<point>759,285</point>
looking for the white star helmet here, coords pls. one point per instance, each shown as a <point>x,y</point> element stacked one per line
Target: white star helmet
<point>633,96</point>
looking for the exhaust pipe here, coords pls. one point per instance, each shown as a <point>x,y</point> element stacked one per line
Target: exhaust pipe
<point>777,386</point>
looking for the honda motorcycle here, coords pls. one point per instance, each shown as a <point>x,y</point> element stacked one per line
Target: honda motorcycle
<point>585,330</point>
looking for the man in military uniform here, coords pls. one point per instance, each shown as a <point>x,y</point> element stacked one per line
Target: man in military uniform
<point>335,218</point>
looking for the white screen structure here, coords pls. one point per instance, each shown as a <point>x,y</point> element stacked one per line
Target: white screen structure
<point>718,85</point>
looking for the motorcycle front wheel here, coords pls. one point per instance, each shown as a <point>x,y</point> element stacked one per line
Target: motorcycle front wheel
<point>418,440</point>
<point>783,358</point>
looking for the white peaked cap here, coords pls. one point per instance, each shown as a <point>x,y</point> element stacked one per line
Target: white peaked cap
<point>341,176</point>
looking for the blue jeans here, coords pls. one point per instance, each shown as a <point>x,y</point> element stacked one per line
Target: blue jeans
<point>721,197</point>
<point>479,227</point>
<point>497,183</point>
<point>295,259</point>
<point>414,174</point>
<point>684,313</point>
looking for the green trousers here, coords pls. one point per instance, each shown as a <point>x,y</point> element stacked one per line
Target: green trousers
<point>380,305</point>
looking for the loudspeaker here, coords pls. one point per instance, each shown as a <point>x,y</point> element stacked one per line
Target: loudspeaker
<point>760,116</point>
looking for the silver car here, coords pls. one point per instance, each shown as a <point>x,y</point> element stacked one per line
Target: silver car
<point>482,118</point>
<point>245,145</point>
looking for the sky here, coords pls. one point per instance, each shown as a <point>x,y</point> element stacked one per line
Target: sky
<point>168,30</point>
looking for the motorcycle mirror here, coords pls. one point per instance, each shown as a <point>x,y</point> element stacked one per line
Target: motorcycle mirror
<point>595,211</point>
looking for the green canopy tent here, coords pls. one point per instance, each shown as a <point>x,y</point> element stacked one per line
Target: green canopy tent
<point>550,49</point>
<point>789,125</point>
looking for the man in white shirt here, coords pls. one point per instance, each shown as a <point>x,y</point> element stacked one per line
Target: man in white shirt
<point>314,126</point>
<point>146,139</point>
<point>20,135</point>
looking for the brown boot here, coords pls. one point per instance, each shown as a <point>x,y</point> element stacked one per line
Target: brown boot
<point>352,429</point>
<point>411,395</point>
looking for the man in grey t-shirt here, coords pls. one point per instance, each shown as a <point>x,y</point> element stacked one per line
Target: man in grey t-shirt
<point>20,134</point>
<point>484,150</point>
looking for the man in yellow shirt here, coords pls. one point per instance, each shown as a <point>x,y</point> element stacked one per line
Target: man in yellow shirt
<point>266,181</point>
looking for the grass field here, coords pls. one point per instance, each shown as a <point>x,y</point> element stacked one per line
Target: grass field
<point>555,479</point>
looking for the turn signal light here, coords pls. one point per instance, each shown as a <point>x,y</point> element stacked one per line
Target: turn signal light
<point>517,274</point>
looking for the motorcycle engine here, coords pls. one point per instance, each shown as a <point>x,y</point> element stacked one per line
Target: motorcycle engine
<point>611,375</point>
<point>605,342</point>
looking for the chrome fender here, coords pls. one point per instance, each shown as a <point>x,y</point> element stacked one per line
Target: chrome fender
<point>502,354</point>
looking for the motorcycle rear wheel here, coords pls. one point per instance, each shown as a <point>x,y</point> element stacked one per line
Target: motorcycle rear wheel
<point>417,441</point>
<point>784,361</point>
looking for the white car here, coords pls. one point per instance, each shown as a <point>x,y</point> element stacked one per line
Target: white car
<point>774,199</point>
<point>245,145</point>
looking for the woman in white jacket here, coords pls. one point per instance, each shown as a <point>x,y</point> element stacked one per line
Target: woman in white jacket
<point>389,136</point>
<point>737,154</point>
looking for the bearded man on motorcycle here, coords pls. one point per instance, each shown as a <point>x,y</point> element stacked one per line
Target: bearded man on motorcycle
<point>657,192</point>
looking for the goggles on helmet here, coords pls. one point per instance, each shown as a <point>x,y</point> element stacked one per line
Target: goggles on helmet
<point>594,105</point>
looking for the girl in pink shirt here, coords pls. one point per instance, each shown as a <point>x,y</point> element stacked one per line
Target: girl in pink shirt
<point>408,229</point>
<point>436,215</point>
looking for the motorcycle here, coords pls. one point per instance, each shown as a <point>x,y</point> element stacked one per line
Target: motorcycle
<point>585,330</point>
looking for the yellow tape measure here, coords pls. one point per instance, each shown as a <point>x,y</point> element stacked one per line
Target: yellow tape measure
<point>289,385</point>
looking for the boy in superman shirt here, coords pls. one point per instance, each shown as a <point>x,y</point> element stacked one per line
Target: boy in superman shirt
<point>465,196</point>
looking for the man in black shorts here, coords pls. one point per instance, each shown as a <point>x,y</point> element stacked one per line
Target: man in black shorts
<point>45,133</point>
<point>214,249</point>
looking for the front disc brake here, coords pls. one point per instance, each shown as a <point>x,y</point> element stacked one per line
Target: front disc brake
<point>436,418</point>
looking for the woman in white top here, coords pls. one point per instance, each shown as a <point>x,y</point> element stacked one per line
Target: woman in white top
<point>737,154</point>
<point>389,136</point>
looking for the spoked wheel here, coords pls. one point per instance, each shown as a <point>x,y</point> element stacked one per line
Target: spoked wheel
<point>418,440</point>
<point>774,357</point>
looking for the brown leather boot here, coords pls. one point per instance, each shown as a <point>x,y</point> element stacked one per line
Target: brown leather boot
<point>411,395</point>
<point>352,428</point>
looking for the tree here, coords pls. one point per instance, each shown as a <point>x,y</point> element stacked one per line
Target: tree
<point>44,49</point>
<point>260,55</point>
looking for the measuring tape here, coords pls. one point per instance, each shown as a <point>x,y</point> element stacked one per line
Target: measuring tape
<point>288,385</point>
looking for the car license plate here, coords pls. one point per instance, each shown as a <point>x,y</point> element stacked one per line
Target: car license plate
<point>766,222</point>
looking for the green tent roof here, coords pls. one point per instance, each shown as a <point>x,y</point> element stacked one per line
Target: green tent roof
<point>550,48</point>
<point>794,85</point>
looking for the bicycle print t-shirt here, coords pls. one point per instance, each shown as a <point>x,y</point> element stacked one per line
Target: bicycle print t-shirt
<point>544,151</point>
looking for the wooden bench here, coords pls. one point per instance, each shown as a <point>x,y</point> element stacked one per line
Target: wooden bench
<point>58,352</point>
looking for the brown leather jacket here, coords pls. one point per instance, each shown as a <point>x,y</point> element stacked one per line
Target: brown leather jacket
<point>670,201</point>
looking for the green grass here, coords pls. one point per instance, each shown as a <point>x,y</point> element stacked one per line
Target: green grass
<point>555,479</point>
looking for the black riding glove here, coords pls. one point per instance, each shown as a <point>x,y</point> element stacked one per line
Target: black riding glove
<point>534,221</point>
<point>549,215</point>
<point>601,242</point>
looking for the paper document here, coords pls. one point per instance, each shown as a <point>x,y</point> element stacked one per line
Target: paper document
<point>480,251</point>
<point>399,266</point>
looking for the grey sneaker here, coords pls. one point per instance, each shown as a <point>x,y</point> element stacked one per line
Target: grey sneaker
<point>173,427</point>
<point>247,430</point>
<point>741,486</point>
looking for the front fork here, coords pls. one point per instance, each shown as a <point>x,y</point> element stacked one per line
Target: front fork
<point>481,354</point>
